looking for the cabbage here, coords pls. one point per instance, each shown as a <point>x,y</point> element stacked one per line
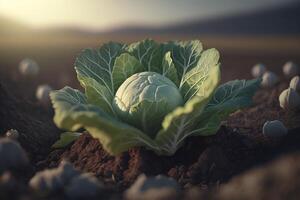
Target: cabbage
<point>149,94</point>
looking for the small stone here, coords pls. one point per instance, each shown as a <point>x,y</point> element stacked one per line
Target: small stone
<point>269,79</point>
<point>83,187</point>
<point>258,70</point>
<point>156,188</point>
<point>295,83</point>
<point>274,129</point>
<point>52,180</point>
<point>42,94</point>
<point>12,155</point>
<point>12,134</point>
<point>290,69</point>
<point>28,67</point>
<point>289,99</point>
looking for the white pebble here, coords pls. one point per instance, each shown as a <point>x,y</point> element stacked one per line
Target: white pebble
<point>269,79</point>
<point>274,129</point>
<point>12,134</point>
<point>289,99</point>
<point>290,69</point>
<point>42,94</point>
<point>28,67</point>
<point>295,83</point>
<point>258,70</point>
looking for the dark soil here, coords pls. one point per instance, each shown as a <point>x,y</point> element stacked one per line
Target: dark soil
<point>206,161</point>
<point>34,123</point>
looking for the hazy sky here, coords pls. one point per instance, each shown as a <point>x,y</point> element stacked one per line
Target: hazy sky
<point>101,14</point>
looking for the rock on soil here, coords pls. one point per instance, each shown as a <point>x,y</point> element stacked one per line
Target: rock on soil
<point>12,155</point>
<point>280,179</point>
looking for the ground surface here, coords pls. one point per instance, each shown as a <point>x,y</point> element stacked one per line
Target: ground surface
<point>222,166</point>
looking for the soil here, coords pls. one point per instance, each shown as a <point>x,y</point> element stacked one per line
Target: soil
<point>217,167</point>
<point>203,161</point>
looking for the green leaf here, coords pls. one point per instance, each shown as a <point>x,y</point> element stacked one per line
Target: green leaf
<point>178,124</point>
<point>168,68</point>
<point>191,84</point>
<point>98,64</point>
<point>98,95</point>
<point>148,52</point>
<point>227,99</point>
<point>66,139</point>
<point>185,55</point>
<point>125,66</point>
<point>72,112</point>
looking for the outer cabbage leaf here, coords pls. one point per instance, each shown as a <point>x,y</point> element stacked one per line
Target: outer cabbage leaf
<point>181,121</point>
<point>98,64</point>
<point>72,112</point>
<point>227,99</point>
<point>98,95</point>
<point>125,66</point>
<point>191,84</point>
<point>66,139</point>
<point>185,55</point>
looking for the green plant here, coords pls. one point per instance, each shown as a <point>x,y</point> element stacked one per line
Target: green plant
<point>171,92</point>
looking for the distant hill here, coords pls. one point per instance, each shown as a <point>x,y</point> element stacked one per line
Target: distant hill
<point>283,20</point>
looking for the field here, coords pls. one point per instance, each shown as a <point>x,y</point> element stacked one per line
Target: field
<point>220,166</point>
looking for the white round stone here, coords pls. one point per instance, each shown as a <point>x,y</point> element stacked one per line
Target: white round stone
<point>269,79</point>
<point>295,83</point>
<point>290,69</point>
<point>289,99</point>
<point>258,70</point>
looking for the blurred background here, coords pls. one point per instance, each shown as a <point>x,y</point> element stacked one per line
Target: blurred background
<point>53,32</point>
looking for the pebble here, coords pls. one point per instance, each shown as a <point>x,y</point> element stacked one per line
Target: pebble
<point>12,155</point>
<point>269,79</point>
<point>289,99</point>
<point>295,83</point>
<point>290,69</point>
<point>154,188</point>
<point>28,67</point>
<point>12,134</point>
<point>42,94</point>
<point>274,129</point>
<point>51,180</point>
<point>258,70</point>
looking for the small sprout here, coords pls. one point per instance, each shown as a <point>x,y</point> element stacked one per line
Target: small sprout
<point>269,79</point>
<point>289,99</point>
<point>28,67</point>
<point>42,94</point>
<point>295,83</point>
<point>274,129</point>
<point>258,70</point>
<point>290,69</point>
<point>12,134</point>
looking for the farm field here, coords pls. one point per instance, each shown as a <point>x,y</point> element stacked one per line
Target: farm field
<point>221,166</point>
